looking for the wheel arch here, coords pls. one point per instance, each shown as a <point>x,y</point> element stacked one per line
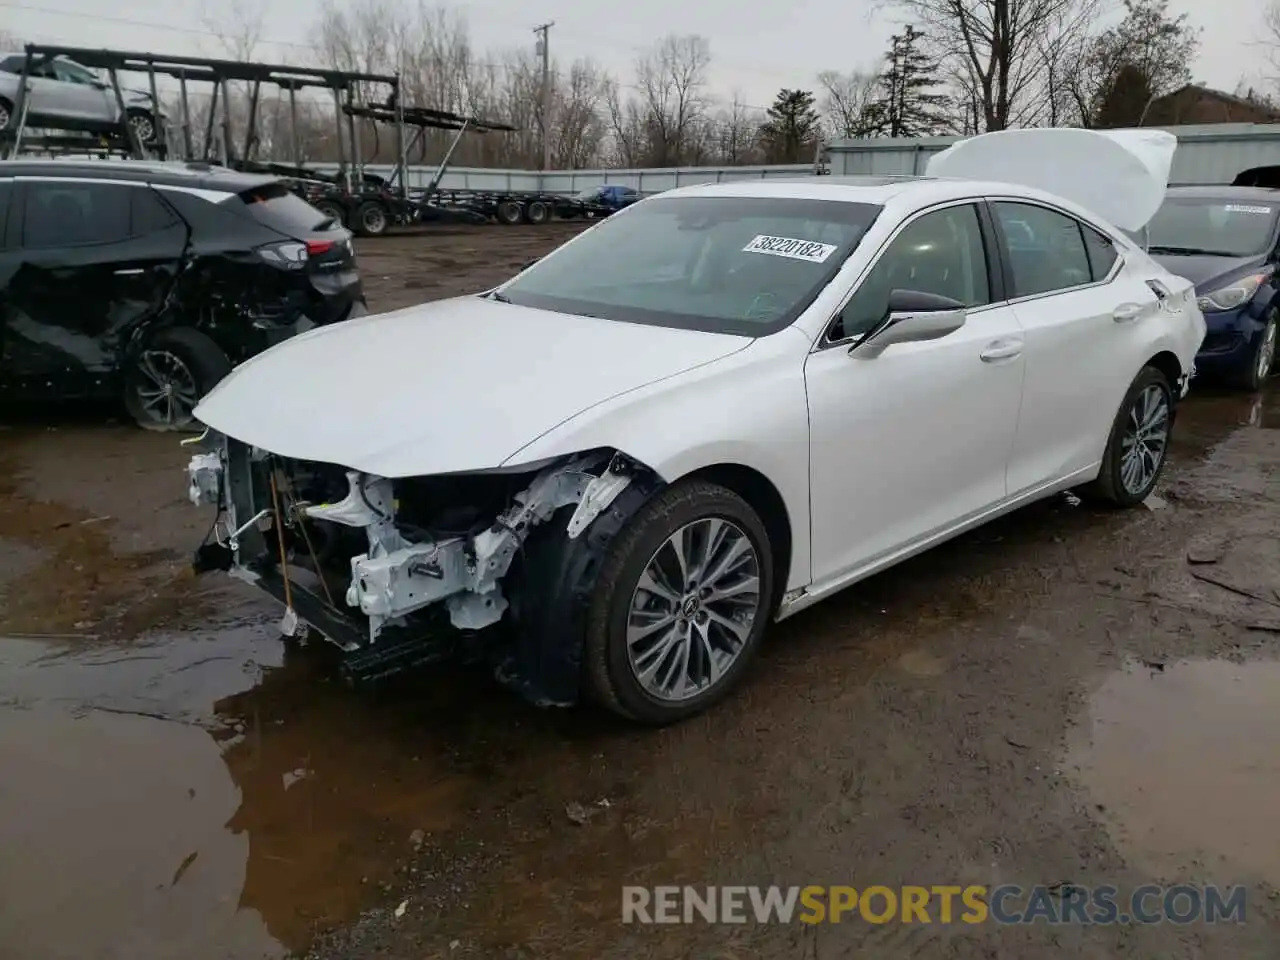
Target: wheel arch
<point>767,501</point>
<point>1167,362</point>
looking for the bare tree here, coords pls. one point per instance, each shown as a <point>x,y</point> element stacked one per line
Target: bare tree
<point>672,81</point>
<point>845,98</point>
<point>235,25</point>
<point>997,47</point>
<point>732,133</point>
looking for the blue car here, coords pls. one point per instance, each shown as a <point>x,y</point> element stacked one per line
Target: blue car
<point>607,199</point>
<point>1226,240</point>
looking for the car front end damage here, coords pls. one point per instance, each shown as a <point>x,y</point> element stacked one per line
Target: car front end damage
<point>399,572</point>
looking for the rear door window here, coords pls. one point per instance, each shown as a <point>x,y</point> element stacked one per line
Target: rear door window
<point>277,207</point>
<point>72,213</point>
<point>149,214</point>
<point>1046,250</point>
<point>6,191</point>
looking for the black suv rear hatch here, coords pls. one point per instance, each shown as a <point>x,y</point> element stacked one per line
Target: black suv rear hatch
<point>329,257</point>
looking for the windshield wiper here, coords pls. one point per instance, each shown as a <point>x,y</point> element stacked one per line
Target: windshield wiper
<point>495,295</point>
<point>1189,251</point>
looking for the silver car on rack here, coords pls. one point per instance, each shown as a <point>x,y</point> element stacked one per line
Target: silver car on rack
<point>65,95</point>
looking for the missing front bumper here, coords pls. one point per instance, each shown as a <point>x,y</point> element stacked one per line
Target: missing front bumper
<point>397,579</point>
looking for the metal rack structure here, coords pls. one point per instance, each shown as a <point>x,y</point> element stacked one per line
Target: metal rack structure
<point>366,203</point>
<point>344,85</point>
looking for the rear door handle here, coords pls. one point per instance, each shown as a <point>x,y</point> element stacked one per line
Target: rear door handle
<point>1003,349</point>
<point>130,271</point>
<point>1126,312</point>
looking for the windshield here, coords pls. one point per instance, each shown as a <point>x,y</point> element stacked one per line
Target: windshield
<point>1216,226</point>
<point>589,194</point>
<point>740,265</point>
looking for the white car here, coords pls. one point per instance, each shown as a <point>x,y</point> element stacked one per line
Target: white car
<point>707,413</point>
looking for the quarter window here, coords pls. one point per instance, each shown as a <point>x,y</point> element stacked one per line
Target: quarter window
<point>1102,253</point>
<point>65,213</point>
<point>1046,250</point>
<point>940,253</point>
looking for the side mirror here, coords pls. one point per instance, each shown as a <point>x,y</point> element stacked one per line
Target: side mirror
<point>913,316</point>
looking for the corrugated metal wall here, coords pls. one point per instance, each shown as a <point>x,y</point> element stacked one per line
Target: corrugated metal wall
<point>1212,153</point>
<point>569,182</point>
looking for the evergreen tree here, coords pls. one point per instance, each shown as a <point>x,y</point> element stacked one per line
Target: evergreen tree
<point>907,103</point>
<point>1147,54</point>
<point>791,131</point>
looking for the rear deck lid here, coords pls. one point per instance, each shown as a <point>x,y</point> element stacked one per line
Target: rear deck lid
<point>1119,175</point>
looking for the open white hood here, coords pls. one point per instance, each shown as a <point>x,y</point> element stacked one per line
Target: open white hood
<point>1120,175</point>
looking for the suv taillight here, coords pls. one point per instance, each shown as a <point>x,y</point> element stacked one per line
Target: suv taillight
<point>290,254</point>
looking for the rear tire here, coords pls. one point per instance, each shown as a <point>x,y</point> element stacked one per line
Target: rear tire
<point>1138,445</point>
<point>537,212</point>
<point>144,127</point>
<point>170,375</point>
<point>371,219</point>
<point>508,213</point>
<point>6,111</point>
<point>1262,360</point>
<point>331,208</point>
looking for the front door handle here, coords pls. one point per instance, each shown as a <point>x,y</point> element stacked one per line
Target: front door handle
<point>1126,312</point>
<point>130,272</point>
<point>1005,349</point>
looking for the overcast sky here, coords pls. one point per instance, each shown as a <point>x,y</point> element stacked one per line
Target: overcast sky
<point>756,48</point>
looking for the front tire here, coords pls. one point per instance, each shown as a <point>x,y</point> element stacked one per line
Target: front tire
<point>1262,362</point>
<point>1138,445</point>
<point>680,605</point>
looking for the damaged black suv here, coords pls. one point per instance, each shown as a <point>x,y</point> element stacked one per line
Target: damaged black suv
<point>147,282</point>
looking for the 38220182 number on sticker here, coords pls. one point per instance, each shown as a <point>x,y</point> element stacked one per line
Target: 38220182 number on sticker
<point>790,247</point>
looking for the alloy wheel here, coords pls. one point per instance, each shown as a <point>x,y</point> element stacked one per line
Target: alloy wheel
<point>1146,439</point>
<point>143,128</point>
<point>693,609</point>
<point>1266,351</point>
<point>4,116</point>
<point>167,391</point>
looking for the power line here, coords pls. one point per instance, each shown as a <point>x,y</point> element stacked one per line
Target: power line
<point>754,67</point>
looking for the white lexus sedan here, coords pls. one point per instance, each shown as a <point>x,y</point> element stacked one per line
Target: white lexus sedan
<point>704,414</point>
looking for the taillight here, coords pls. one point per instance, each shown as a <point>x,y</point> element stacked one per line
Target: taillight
<point>290,254</point>
<point>317,247</point>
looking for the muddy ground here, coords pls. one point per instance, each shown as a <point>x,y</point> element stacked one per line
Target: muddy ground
<point>1066,696</point>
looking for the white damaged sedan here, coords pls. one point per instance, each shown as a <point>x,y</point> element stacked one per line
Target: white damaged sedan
<point>707,413</point>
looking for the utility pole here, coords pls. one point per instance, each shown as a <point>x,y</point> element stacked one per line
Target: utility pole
<point>543,50</point>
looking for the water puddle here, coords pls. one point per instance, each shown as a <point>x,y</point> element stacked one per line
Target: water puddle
<point>1181,761</point>
<point>197,796</point>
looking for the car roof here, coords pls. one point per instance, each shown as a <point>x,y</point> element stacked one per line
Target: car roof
<point>853,189</point>
<point>202,176</point>
<point>880,190</point>
<point>1212,191</point>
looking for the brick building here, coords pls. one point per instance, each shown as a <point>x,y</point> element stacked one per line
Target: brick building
<point>1194,104</point>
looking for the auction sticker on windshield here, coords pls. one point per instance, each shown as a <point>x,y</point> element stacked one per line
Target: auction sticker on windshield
<point>809,250</point>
